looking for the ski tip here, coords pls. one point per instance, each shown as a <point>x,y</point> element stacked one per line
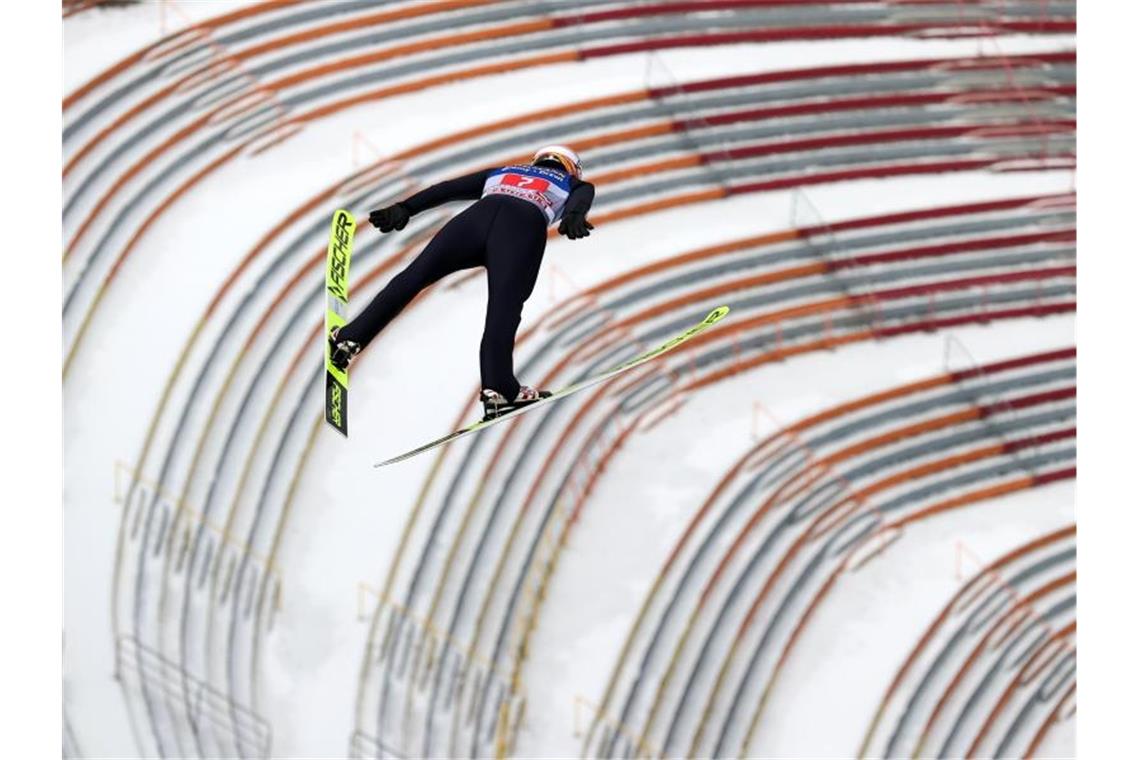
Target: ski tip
<point>716,315</point>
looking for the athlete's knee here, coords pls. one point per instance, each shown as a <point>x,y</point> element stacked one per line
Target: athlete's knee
<point>504,315</point>
<point>411,281</point>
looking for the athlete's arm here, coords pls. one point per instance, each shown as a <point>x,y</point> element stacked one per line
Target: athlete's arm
<point>574,223</point>
<point>469,187</point>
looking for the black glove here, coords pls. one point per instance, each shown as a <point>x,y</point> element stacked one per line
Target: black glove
<point>574,225</point>
<point>395,217</point>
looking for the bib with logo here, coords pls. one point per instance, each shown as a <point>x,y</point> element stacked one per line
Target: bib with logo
<point>547,189</point>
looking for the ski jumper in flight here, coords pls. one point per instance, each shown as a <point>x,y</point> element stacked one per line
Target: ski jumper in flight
<point>504,231</point>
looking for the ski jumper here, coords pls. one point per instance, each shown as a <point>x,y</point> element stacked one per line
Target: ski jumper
<point>504,231</point>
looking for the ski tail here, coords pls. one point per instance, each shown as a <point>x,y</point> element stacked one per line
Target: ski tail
<point>336,314</point>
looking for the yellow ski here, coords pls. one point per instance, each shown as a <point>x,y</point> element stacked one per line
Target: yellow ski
<point>714,316</point>
<point>336,314</point>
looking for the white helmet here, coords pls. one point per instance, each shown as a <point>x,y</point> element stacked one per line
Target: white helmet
<point>563,155</point>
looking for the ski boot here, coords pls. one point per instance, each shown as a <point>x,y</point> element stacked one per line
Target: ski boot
<point>341,352</point>
<point>495,404</point>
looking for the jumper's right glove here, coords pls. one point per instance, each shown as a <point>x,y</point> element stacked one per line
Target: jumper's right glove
<point>394,217</point>
<point>574,225</point>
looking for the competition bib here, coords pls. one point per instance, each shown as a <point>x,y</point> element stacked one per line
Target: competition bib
<point>546,188</point>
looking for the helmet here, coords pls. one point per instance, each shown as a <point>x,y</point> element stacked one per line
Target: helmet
<point>563,155</point>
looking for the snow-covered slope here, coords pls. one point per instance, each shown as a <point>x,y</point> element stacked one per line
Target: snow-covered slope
<point>347,518</point>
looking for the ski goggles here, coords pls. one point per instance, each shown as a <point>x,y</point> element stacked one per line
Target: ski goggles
<point>568,158</point>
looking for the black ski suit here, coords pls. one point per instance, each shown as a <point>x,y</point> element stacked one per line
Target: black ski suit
<point>505,235</point>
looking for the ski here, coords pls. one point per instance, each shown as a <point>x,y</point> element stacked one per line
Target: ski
<point>336,314</point>
<point>714,316</point>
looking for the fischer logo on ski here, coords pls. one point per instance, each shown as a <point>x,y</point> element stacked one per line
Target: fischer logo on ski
<point>340,248</point>
<point>336,314</point>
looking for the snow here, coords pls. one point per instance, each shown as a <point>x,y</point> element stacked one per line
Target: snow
<point>347,517</point>
<point>655,483</point>
<point>97,39</point>
<point>870,623</point>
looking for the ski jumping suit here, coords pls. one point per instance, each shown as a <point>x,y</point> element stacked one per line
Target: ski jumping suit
<point>504,231</point>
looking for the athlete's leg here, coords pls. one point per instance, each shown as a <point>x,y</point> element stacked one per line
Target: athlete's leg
<point>515,244</point>
<point>459,245</point>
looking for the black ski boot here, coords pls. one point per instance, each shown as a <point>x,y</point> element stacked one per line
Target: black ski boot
<point>495,404</point>
<point>341,352</point>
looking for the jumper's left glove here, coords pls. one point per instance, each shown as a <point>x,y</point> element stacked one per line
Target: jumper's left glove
<point>574,225</point>
<point>394,217</point>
